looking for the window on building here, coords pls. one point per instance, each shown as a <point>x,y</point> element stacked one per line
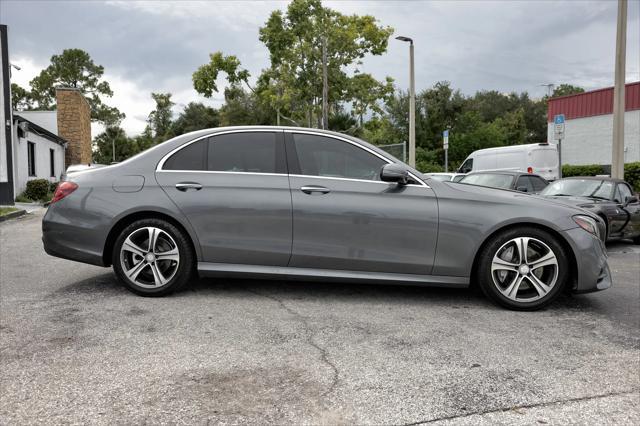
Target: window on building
<point>52,162</point>
<point>31,158</point>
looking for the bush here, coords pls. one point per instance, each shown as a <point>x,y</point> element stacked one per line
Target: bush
<point>37,189</point>
<point>631,172</point>
<point>587,170</point>
<point>632,175</point>
<point>53,186</point>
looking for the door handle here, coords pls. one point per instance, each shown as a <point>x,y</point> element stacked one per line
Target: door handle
<point>185,186</point>
<point>310,189</point>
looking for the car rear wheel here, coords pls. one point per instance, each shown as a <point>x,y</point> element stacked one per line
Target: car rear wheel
<point>153,258</point>
<point>523,268</point>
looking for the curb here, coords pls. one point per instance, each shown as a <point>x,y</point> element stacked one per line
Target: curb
<point>12,215</point>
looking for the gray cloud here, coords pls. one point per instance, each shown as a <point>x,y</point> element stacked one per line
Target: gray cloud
<point>499,45</point>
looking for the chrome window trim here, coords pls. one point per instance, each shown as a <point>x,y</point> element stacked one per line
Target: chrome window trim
<point>222,172</point>
<point>353,180</point>
<point>276,130</point>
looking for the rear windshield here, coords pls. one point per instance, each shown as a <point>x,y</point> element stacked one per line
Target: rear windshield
<point>489,179</point>
<point>544,158</point>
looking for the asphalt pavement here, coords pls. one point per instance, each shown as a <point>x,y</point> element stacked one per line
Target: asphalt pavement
<point>76,347</point>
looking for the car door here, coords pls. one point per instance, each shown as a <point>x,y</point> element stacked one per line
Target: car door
<point>632,210</point>
<point>234,190</point>
<point>345,218</point>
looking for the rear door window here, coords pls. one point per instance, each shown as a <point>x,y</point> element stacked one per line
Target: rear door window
<point>191,157</point>
<point>249,152</point>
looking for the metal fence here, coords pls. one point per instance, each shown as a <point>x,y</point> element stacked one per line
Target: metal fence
<point>398,150</point>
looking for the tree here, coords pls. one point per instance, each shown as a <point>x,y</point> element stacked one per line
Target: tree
<point>160,119</point>
<point>292,86</point>
<point>75,68</point>
<point>566,89</point>
<point>21,98</point>
<point>195,116</point>
<point>295,42</point>
<point>365,92</point>
<point>104,142</point>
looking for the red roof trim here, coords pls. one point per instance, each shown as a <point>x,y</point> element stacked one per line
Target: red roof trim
<point>594,102</point>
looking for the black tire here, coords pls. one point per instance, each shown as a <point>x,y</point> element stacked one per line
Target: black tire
<point>486,280</point>
<point>636,240</point>
<point>183,271</point>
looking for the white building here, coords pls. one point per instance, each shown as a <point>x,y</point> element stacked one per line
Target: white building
<point>589,126</point>
<point>38,153</point>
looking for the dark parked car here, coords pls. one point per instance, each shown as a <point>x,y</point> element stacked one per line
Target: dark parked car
<point>309,204</point>
<point>611,199</point>
<point>516,181</point>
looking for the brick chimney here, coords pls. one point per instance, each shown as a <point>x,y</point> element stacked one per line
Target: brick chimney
<point>74,125</point>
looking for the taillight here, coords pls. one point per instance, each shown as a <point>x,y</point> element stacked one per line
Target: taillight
<point>529,169</point>
<point>63,189</point>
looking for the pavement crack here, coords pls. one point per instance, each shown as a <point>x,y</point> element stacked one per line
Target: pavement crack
<point>523,406</point>
<point>310,334</point>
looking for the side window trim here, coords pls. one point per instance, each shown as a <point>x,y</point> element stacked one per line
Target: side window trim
<point>280,162</point>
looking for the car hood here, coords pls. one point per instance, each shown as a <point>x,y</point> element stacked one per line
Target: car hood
<point>575,200</point>
<point>505,196</point>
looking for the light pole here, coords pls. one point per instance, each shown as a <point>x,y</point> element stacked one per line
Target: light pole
<point>412,103</point>
<point>617,146</point>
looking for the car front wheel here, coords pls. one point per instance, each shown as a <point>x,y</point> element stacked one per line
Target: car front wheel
<point>523,268</point>
<point>152,257</point>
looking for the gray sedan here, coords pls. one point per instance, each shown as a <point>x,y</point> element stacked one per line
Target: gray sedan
<point>303,204</point>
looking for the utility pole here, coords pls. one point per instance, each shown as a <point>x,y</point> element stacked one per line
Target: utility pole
<point>412,103</point>
<point>617,146</point>
<point>325,86</point>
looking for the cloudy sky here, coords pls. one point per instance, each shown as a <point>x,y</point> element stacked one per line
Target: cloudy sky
<point>156,45</point>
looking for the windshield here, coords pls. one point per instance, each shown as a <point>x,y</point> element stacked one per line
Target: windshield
<point>580,188</point>
<point>489,179</point>
<point>440,177</point>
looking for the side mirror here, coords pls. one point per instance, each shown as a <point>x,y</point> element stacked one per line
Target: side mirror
<point>394,173</point>
<point>629,200</point>
<point>522,189</point>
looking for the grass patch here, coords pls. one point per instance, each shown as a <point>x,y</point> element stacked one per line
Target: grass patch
<point>7,210</point>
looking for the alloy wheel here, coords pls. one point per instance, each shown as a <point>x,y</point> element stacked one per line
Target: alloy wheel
<point>149,257</point>
<point>524,269</point>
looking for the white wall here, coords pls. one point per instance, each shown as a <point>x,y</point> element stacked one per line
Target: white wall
<point>43,171</point>
<point>588,139</point>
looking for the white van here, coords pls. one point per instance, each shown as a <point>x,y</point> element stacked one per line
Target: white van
<point>538,158</point>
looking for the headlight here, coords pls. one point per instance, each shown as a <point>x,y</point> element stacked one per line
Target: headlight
<point>588,224</point>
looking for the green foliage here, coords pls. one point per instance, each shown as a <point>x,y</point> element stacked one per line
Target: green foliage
<point>52,187</point>
<point>566,89</point>
<point>159,120</point>
<point>37,189</point>
<point>21,98</point>
<point>195,116</point>
<point>125,147</point>
<point>205,77</point>
<point>631,172</point>
<point>7,210</point>
<point>74,68</point>
<point>291,88</point>
<point>632,175</point>
<point>584,170</point>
